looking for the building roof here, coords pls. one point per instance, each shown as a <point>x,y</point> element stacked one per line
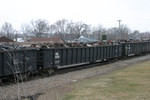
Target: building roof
<point>86,39</point>
<point>5,39</point>
<point>45,40</point>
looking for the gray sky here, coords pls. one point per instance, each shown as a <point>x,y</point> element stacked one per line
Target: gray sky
<point>134,13</point>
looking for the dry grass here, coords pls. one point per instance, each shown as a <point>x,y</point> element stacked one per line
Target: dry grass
<point>132,83</point>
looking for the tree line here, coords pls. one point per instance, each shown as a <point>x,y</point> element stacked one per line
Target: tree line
<point>66,29</point>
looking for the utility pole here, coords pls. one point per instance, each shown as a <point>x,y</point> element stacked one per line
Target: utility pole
<point>119,23</point>
<point>119,29</point>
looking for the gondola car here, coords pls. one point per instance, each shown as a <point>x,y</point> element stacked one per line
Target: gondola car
<point>49,59</point>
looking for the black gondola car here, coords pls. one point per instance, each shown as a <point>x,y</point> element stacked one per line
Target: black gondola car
<point>17,61</point>
<point>25,60</point>
<point>135,48</point>
<point>54,57</point>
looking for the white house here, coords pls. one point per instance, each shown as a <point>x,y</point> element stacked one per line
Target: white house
<point>86,38</point>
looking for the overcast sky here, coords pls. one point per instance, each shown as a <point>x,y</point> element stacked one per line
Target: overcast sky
<point>134,13</point>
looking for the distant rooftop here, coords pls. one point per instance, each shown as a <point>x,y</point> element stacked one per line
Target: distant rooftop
<point>46,40</point>
<point>5,39</point>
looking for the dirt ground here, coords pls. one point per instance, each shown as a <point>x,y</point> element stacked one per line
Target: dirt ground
<point>55,87</point>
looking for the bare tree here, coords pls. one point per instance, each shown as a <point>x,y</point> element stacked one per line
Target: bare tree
<point>70,28</point>
<point>60,28</point>
<point>26,29</point>
<point>40,27</point>
<point>112,33</point>
<point>120,33</point>
<point>124,31</point>
<point>8,30</point>
<point>52,30</point>
<point>98,32</point>
<point>63,27</point>
<point>81,28</point>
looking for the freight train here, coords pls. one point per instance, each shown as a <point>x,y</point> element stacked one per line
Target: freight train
<point>48,59</point>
